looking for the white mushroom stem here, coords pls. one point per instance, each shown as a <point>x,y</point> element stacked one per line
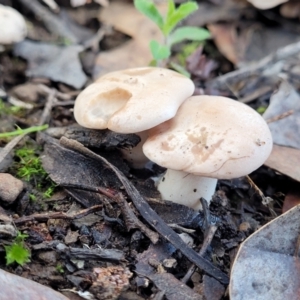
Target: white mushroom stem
<point>185,188</point>
<point>135,156</point>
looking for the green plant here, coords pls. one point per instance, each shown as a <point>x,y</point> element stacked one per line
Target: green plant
<point>20,131</point>
<point>49,191</point>
<point>29,166</point>
<point>59,268</point>
<point>167,24</point>
<point>5,109</point>
<point>16,252</point>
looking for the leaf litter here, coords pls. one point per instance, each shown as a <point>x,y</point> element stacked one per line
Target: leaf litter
<point>109,235</point>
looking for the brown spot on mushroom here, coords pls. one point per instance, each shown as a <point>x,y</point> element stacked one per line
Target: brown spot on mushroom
<point>139,117</point>
<point>194,137</point>
<point>166,147</point>
<point>198,151</point>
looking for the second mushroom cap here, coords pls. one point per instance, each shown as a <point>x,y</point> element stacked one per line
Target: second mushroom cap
<point>211,136</point>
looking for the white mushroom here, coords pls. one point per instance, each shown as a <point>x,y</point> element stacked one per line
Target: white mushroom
<point>12,26</point>
<point>132,100</point>
<point>266,4</point>
<point>210,138</point>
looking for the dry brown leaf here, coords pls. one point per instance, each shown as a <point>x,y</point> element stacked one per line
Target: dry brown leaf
<point>285,160</point>
<point>290,10</point>
<point>225,37</point>
<point>134,53</point>
<point>291,199</point>
<point>285,131</point>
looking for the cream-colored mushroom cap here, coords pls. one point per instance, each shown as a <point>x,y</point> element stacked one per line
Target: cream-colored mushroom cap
<point>132,100</point>
<point>12,26</point>
<point>211,136</point>
<point>266,4</point>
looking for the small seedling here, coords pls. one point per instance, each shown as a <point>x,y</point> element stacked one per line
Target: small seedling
<point>161,52</point>
<point>29,166</point>
<point>60,269</point>
<point>49,191</point>
<point>17,252</point>
<point>20,131</point>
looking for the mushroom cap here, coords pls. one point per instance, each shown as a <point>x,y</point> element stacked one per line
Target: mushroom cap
<point>12,24</point>
<point>132,100</point>
<point>211,136</point>
<point>266,4</point>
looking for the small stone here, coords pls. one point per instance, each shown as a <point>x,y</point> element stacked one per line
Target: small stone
<point>49,257</point>
<point>10,188</point>
<point>170,263</point>
<point>245,226</point>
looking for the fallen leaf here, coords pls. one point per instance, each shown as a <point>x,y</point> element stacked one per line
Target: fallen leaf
<point>134,53</point>
<point>14,287</point>
<point>58,63</point>
<point>291,199</point>
<point>226,39</point>
<point>285,160</point>
<point>285,131</point>
<point>266,266</point>
<point>290,10</point>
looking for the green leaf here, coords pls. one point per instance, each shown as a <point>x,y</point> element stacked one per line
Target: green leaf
<point>188,33</point>
<point>159,52</point>
<point>180,69</point>
<point>17,253</point>
<point>184,10</point>
<point>171,7</point>
<point>148,8</point>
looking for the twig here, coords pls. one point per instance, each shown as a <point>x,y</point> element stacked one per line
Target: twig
<point>46,90</point>
<point>257,93</point>
<point>248,71</point>
<point>48,108</point>
<point>53,23</point>
<point>281,116</point>
<point>129,217</point>
<point>11,145</point>
<point>150,215</point>
<point>265,200</point>
<point>58,215</point>
<point>211,228</point>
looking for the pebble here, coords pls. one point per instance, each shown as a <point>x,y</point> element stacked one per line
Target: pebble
<point>10,188</point>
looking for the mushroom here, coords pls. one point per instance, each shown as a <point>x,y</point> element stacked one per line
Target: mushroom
<point>210,138</point>
<point>132,101</point>
<point>266,4</point>
<point>12,24</point>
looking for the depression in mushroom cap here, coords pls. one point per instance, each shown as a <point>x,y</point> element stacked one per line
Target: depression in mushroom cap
<point>132,100</point>
<point>213,137</point>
